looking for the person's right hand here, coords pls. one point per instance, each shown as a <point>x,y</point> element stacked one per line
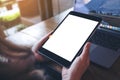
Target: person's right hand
<point>78,67</point>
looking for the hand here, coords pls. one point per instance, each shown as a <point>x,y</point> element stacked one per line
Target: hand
<point>78,67</point>
<point>38,45</point>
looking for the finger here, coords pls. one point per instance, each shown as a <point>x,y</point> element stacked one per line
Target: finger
<point>44,38</point>
<point>85,52</point>
<point>41,42</point>
<point>64,69</point>
<point>38,44</point>
<point>83,59</point>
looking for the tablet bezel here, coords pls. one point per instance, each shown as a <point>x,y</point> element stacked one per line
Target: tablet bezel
<point>59,59</point>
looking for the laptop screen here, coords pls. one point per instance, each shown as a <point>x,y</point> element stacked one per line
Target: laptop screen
<point>104,7</point>
<point>109,10</point>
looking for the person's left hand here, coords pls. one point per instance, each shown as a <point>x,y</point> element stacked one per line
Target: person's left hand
<point>37,45</point>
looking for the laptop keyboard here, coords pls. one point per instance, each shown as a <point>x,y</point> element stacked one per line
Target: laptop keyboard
<point>105,39</point>
<point>110,27</point>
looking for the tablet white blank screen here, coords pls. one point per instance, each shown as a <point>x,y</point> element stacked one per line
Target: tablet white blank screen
<point>70,36</point>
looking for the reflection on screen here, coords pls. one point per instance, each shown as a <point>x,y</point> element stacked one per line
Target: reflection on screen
<point>70,36</point>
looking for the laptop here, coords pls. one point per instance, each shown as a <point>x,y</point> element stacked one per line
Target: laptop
<point>105,47</point>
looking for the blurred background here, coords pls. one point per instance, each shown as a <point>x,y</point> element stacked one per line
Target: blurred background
<point>16,15</point>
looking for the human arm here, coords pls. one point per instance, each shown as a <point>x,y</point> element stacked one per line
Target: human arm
<point>78,67</point>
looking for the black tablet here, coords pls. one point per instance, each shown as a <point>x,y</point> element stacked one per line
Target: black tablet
<point>68,39</point>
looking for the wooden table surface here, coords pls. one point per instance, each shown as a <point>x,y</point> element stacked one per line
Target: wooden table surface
<point>30,35</point>
<point>34,33</point>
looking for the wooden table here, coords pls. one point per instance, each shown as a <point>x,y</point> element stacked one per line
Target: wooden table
<point>29,36</point>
